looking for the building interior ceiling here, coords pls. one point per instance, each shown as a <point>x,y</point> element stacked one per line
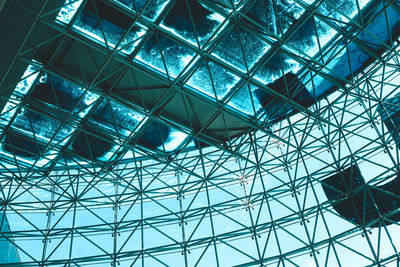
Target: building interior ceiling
<point>199,132</point>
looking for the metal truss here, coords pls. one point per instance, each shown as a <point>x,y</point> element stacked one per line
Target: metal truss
<point>251,196</point>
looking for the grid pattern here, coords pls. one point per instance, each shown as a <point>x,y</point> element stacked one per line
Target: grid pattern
<point>200,133</point>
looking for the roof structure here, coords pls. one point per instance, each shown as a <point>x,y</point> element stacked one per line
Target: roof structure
<point>199,133</point>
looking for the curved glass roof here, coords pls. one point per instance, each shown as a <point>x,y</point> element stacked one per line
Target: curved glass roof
<point>199,133</point>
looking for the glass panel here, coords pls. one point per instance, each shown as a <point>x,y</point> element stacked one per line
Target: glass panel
<point>347,61</point>
<point>63,94</point>
<point>192,20</point>
<point>148,8</point>
<point>175,139</point>
<point>160,136</point>
<point>154,135</point>
<point>241,49</point>
<point>41,126</point>
<point>23,147</point>
<point>245,100</point>
<point>9,109</point>
<point>26,150</point>
<point>27,80</point>
<point>159,49</point>
<point>289,86</point>
<point>68,11</point>
<point>305,36</point>
<point>104,23</point>
<point>92,144</point>
<point>116,117</point>
<point>340,11</point>
<point>315,33</point>
<point>275,16</point>
<point>30,130</point>
<point>274,67</point>
<point>323,36</point>
<point>227,4</point>
<point>213,80</point>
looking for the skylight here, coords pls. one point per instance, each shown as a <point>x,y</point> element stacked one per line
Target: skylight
<point>108,26</point>
<point>203,133</point>
<point>28,78</point>
<point>195,22</point>
<point>149,9</point>
<point>213,80</point>
<point>116,118</point>
<point>63,95</point>
<point>68,11</point>
<point>165,55</point>
<point>175,139</point>
<point>192,21</point>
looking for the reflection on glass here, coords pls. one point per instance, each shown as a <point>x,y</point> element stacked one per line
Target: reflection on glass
<point>148,8</point>
<point>63,94</point>
<point>22,147</point>
<point>158,136</point>
<point>213,80</point>
<point>192,20</point>
<point>175,139</point>
<point>165,55</point>
<point>291,87</point>
<point>92,144</point>
<point>154,135</point>
<point>22,88</point>
<point>116,117</point>
<point>68,11</point>
<point>26,150</point>
<point>245,100</point>
<point>107,25</point>
<point>241,49</point>
<point>41,126</point>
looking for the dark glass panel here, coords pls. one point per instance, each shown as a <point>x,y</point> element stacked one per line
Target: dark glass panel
<point>360,203</point>
<point>91,144</point>
<point>22,147</point>
<point>155,135</point>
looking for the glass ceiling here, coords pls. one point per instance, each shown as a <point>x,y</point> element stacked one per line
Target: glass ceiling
<point>76,113</point>
<point>91,176</point>
<point>234,51</point>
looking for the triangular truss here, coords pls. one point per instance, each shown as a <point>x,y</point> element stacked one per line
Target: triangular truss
<point>200,133</point>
